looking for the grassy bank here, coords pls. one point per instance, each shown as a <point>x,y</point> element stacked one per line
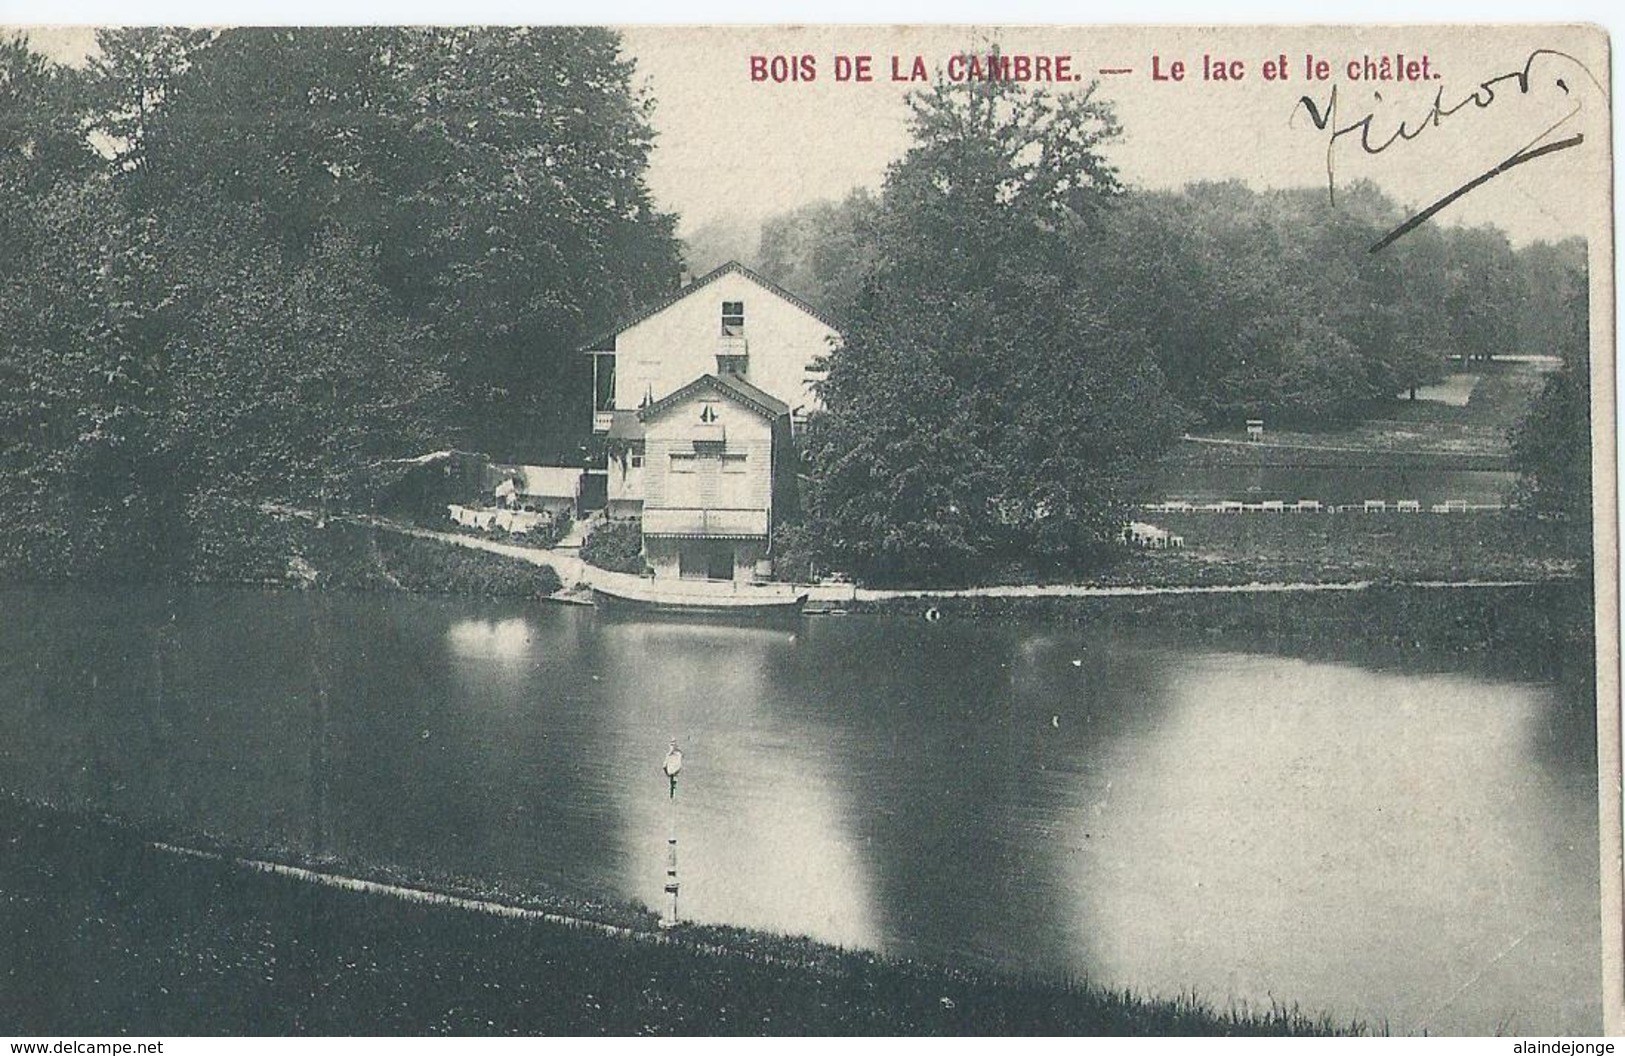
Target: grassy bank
<point>1242,548</point>
<point>1391,434</point>
<point>1541,631</point>
<point>341,555</point>
<point>1346,547</point>
<point>103,934</point>
<point>424,566</point>
<point>1354,450</point>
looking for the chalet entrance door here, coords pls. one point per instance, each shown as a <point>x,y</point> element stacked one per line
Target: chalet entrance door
<point>721,563</point>
<point>706,561</point>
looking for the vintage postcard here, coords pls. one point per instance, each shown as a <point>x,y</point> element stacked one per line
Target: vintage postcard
<point>822,530</point>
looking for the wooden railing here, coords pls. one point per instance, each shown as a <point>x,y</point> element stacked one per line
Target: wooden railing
<point>695,521</point>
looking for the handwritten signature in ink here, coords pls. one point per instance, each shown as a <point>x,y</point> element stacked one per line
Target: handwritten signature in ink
<point>1327,117</point>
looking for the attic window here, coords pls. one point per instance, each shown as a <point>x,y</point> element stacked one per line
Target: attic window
<point>708,413</point>
<point>733,318</point>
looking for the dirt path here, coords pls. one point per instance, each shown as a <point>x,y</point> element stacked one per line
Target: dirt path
<point>577,574</point>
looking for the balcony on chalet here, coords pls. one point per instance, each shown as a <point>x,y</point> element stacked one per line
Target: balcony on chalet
<point>699,523</point>
<point>617,425</point>
<point>733,352</point>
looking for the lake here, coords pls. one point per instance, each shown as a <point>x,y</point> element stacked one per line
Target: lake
<point>1411,844</point>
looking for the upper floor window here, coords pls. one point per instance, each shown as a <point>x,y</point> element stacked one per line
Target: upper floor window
<point>733,318</point>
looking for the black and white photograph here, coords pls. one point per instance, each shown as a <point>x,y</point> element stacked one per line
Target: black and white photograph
<point>815,531</point>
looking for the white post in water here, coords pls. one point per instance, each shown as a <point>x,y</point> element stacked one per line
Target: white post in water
<point>671,767</point>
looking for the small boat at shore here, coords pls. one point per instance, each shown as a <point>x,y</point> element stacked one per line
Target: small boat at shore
<point>699,597</point>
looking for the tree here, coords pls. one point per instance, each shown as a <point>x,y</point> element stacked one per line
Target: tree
<point>1482,292</point>
<point>296,253</point>
<point>492,178</point>
<point>1282,310</point>
<point>129,78</point>
<point>520,220</point>
<point>69,413</point>
<point>1552,445</point>
<point>41,142</point>
<point>716,242</point>
<point>1549,310</point>
<point>981,410</point>
<point>822,251</point>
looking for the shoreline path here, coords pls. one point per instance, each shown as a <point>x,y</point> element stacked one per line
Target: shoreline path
<point>577,575</point>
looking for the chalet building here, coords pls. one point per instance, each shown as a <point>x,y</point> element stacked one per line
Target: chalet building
<point>717,476</point>
<point>732,322</point>
<point>547,489</point>
<point>696,399</point>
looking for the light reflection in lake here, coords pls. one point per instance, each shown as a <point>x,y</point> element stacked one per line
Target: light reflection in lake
<point>504,640</point>
<point>1415,846</point>
<point>1431,852</point>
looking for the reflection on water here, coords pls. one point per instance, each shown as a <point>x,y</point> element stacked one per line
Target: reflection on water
<point>501,640</point>
<point>1415,847</point>
<point>1424,853</point>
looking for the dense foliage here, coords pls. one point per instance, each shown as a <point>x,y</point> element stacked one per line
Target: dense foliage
<point>1023,335</point>
<point>1271,304</point>
<point>616,546</point>
<point>1552,446</point>
<point>983,410</point>
<point>822,251</point>
<point>1278,307</point>
<point>245,265</point>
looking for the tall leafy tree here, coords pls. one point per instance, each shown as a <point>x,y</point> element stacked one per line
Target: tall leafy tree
<point>128,78</point>
<point>1283,311</point>
<point>74,435</point>
<point>1552,445</point>
<point>289,255</point>
<point>1482,292</point>
<point>981,411</point>
<point>520,219</point>
<point>42,142</point>
<point>493,178</point>
<point>1549,310</point>
<point>823,250</point>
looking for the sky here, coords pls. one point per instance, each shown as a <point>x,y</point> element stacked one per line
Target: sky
<point>732,151</point>
<point>731,147</point>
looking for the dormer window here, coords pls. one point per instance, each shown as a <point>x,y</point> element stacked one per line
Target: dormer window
<point>733,318</point>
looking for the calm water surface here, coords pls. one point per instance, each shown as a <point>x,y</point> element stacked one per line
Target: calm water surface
<point>1414,847</point>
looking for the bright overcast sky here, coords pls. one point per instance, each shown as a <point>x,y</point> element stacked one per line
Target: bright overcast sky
<point>731,147</point>
<point>734,149</point>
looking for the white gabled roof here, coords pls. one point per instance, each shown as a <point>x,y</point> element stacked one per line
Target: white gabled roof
<point>556,482</point>
<point>604,340</point>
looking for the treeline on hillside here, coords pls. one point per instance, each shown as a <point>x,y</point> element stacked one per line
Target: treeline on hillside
<point>244,265</point>
<point>1262,302</point>
<point>1024,335</point>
